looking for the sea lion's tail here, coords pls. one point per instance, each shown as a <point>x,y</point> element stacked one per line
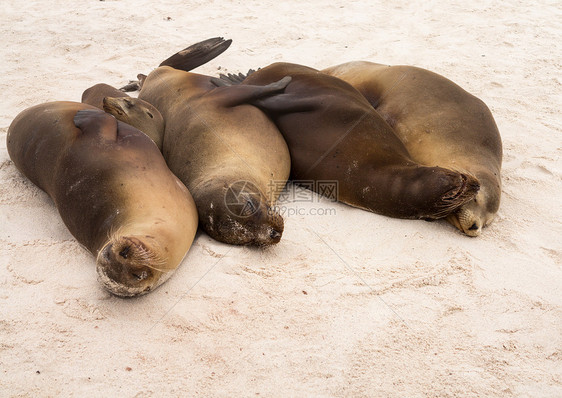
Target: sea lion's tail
<point>197,54</point>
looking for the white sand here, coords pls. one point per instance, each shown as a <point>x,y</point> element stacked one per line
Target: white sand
<point>348,304</point>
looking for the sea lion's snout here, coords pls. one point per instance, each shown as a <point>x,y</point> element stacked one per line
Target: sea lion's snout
<point>112,106</point>
<point>466,221</point>
<point>125,268</point>
<point>275,235</point>
<point>276,225</point>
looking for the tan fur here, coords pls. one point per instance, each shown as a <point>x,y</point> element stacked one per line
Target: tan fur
<point>212,140</point>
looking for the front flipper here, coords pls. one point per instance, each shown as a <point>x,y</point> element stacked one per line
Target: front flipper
<point>96,122</point>
<point>197,54</point>
<point>287,103</point>
<point>229,96</point>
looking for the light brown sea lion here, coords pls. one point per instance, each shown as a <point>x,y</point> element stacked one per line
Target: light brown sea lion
<point>441,125</point>
<point>333,133</point>
<point>112,189</point>
<point>94,95</point>
<point>187,59</point>
<point>228,153</point>
<point>139,113</point>
<point>136,112</point>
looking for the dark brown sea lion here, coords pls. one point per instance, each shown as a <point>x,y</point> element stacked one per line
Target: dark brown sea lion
<point>136,112</point>
<point>441,125</point>
<point>333,133</point>
<point>112,189</point>
<point>228,153</point>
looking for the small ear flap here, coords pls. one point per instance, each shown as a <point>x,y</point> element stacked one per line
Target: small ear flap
<point>96,122</point>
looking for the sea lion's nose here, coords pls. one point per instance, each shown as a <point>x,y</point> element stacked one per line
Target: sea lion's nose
<point>473,227</point>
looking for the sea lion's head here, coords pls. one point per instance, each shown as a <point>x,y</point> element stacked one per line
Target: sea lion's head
<point>131,266</point>
<point>139,114</point>
<point>239,214</point>
<point>479,212</point>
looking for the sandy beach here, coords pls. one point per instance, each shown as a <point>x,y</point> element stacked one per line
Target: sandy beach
<point>349,303</point>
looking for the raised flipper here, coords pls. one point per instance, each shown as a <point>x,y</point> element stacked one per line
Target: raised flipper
<point>96,122</point>
<point>197,54</point>
<point>234,95</point>
<point>187,59</point>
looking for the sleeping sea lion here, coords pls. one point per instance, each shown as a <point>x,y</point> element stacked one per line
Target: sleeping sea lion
<point>441,125</point>
<point>136,112</point>
<point>94,95</point>
<point>333,133</point>
<point>112,189</point>
<point>224,150</point>
<point>141,114</point>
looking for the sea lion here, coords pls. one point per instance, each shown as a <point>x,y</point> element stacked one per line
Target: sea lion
<point>139,113</point>
<point>187,59</point>
<point>134,111</point>
<point>333,133</point>
<point>228,153</point>
<point>440,124</point>
<point>94,95</point>
<point>112,189</point>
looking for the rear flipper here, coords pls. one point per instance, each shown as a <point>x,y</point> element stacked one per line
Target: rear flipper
<point>133,85</point>
<point>229,96</point>
<point>197,54</point>
<point>233,79</point>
